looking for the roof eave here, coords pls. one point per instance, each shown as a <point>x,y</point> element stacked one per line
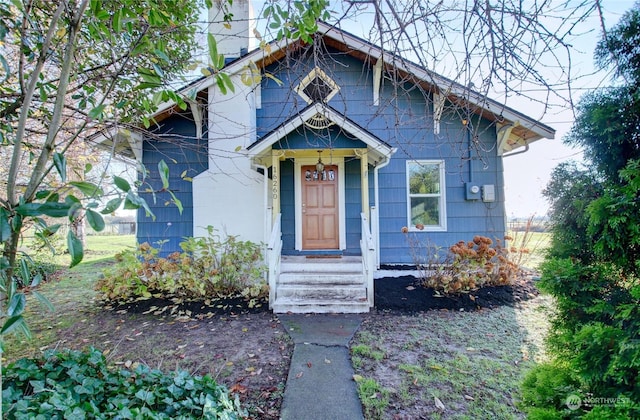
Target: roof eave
<point>382,150</point>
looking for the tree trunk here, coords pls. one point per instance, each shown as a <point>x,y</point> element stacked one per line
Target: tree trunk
<point>78,227</point>
<point>10,252</point>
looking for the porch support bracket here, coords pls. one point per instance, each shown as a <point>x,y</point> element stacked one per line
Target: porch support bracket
<point>197,115</point>
<point>504,132</point>
<point>438,107</point>
<point>377,81</point>
<point>135,144</point>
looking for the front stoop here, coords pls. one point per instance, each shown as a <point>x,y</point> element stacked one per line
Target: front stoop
<point>321,285</point>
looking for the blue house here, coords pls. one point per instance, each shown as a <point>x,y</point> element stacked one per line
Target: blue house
<point>330,154</point>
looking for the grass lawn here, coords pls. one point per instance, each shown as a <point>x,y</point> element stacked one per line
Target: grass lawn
<point>529,247</point>
<point>437,364</point>
<point>448,365</point>
<point>70,291</point>
<point>454,365</point>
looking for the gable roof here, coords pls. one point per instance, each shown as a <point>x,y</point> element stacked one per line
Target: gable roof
<point>524,127</point>
<point>378,149</point>
<point>515,129</point>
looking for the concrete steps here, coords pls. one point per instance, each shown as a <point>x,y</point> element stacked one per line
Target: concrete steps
<point>321,285</point>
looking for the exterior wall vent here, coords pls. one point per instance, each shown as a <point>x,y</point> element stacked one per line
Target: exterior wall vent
<point>317,87</point>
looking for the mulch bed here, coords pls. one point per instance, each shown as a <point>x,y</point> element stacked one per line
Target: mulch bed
<point>405,294</point>
<point>177,307</point>
<point>401,294</point>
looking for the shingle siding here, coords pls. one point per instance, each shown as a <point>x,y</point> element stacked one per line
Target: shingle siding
<point>287,205</point>
<point>404,120</point>
<point>186,157</point>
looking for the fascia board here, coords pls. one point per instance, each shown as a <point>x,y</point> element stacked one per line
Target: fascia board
<point>330,114</point>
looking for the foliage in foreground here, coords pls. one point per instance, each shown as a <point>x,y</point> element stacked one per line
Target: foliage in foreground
<point>595,338</point>
<point>596,330</point>
<point>72,384</point>
<point>206,267</point>
<point>593,268</point>
<point>596,343</point>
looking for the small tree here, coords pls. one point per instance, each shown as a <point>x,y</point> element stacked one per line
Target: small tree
<point>69,68</point>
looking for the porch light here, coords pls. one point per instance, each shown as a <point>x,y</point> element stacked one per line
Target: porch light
<point>319,165</point>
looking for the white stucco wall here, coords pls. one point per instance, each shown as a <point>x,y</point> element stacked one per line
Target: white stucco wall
<point>230,196</point>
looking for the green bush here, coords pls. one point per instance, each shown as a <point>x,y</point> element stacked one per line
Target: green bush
<point>556,391</point>
<point>545,390</point>
<point>206,267</point>
<point>570,191</point>
<point>596,327</point>
<point>596,335</point>
<point>584,293</point>
<point>594,269</point>
<point>28,269</point>
<point>597,324</point>
<point>72,384</point>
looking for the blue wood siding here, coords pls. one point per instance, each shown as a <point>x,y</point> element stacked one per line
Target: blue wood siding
<point>353,205</point>
<point>186,156</point>
<point>404,119</point>
<point>332,138</point>
<point>287,206</point>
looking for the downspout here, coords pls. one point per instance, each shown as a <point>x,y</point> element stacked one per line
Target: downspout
<point>470,153</point>
<point>376,202</point>
<point>526,148</point>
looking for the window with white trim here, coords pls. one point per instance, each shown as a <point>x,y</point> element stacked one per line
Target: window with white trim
<point>426,204</point>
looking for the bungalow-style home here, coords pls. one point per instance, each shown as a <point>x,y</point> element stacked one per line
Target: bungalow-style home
<point>331,157</point>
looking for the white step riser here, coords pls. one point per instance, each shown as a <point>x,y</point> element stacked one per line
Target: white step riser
<point>320,307</point>
<point>323,285</point>
<point>311,294</point>
<point>320,279</point>
<point>320,268</point>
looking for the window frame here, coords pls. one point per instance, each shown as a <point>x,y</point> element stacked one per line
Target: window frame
<point>442,204</point>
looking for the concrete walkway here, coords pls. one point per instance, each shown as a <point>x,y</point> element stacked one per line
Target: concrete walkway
<point>320,384</point>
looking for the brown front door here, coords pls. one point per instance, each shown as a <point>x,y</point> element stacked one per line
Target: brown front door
<point>320,208</point>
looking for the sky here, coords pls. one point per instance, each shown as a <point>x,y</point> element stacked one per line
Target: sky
<point>527,174</point>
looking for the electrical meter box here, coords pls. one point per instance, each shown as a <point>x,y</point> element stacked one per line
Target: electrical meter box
<point>488,193</point>
<point>472,191</point>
